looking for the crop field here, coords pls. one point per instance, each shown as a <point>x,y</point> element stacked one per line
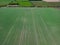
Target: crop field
<point>29,26</point>
<point>25,3</point>
<point>42,3</point>
<point>4,2</point>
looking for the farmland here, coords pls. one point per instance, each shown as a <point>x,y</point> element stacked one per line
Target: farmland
<point>29,26</point>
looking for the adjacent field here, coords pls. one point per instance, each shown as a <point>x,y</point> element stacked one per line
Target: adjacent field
<point>5,2</point>
<point>25,3</point>
<point>42,3</point>
<point>29,26</point>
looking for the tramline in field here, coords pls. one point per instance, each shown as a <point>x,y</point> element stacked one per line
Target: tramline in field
<point>29,26</point>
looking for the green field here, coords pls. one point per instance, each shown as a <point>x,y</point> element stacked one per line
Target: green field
<point>5,2</point>
<point>25,3</point>
<point>29,26</point>
<point>42,3</point>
